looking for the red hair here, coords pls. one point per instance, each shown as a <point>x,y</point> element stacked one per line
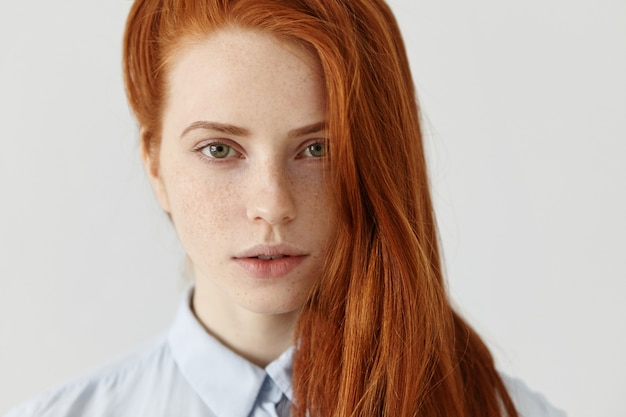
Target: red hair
<point>378,335</point>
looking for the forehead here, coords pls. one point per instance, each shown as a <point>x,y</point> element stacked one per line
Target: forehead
<point>241,51</point>
<point>238,71</point>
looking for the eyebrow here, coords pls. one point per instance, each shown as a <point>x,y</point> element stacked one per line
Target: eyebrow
<point>240,131</point>
<point>219,127</point>
<point>307,130</point>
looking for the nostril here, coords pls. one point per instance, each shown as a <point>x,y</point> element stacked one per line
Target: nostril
<point>271,208</point>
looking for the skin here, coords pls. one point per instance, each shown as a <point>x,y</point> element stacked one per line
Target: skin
<point>240,171</point>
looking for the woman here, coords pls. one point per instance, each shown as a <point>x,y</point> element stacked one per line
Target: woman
<point>282,139</point>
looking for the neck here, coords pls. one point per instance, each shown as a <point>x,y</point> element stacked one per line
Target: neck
<point>259,338</point>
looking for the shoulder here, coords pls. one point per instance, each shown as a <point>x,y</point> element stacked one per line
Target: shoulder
<point>103,391</point>
<point>528,402</point>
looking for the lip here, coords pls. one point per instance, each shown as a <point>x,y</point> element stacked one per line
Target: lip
<point>270,269</point>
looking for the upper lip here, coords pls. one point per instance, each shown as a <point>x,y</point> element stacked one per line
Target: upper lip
<point>270,250</point>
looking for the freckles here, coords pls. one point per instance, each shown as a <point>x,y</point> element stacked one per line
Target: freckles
<point>317,198</point>
<point>206,207</point>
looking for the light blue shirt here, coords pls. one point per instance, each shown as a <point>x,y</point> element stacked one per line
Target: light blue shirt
<point>186,373</point>
<point>189,373</point>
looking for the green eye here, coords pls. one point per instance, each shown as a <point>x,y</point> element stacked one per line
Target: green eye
<point>316,150</point>
<point>218,151</point>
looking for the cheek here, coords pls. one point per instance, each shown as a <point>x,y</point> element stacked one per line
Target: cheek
<point>316,206</point>
<point>203,208</point>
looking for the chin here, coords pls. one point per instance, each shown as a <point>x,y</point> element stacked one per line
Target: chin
<point>274,306</point>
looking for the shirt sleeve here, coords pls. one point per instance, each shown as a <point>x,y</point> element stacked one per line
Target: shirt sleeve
<point>528,402</point>
<point>51,404</point>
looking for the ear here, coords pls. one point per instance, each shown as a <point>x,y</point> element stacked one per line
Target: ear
<point>151,163</point>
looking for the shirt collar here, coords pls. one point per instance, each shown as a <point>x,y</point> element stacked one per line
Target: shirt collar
<point>227,383</point>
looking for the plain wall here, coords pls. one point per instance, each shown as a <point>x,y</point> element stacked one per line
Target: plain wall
<point>524,106</point>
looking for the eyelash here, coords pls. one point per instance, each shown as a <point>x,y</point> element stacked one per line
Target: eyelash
<point>321,142</point>
<point>199,150</point>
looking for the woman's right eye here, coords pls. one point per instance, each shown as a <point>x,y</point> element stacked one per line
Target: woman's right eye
<point>219,151</point>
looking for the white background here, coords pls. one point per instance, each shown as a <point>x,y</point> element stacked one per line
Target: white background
<point>525,108</point>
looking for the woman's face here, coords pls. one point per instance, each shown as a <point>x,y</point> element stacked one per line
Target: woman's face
<point>241,169</point>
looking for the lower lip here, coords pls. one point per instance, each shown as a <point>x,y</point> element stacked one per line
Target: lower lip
<point>269,269</point>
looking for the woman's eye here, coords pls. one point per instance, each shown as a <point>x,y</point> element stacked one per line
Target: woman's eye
<point>219,151</point>
<point>315,150</point>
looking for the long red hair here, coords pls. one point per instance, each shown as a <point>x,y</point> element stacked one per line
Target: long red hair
<point>378,335</point>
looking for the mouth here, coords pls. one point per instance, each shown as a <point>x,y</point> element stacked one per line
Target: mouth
<point>269,257</point>
<point>265,261</point>
<point>270,252</point>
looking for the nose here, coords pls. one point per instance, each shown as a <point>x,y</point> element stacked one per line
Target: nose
<point>270,195</point>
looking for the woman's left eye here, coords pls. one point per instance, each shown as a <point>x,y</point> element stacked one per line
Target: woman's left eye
<point>219,151</point>
<point>315,150</point>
